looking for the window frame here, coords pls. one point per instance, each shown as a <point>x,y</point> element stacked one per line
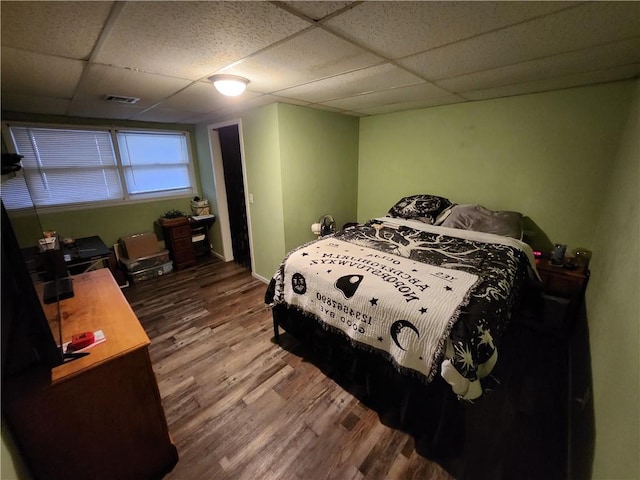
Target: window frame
<point>113,130</point>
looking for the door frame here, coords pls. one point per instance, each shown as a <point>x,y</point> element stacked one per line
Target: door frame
<point>221,189</point>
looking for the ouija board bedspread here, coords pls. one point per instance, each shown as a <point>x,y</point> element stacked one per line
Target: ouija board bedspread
<point>432,300</point>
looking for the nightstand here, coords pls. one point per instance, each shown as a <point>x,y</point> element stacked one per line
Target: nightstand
<point>562,281</point>
<point>200,226</point>
<point>562,293</point>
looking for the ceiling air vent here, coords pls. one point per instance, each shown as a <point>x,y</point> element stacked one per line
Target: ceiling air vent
<point>120,99</point>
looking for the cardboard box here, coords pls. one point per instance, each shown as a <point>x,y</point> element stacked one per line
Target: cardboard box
<point>139,245</point>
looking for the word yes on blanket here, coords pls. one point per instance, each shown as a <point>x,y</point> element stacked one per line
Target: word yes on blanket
<point>380,301</point>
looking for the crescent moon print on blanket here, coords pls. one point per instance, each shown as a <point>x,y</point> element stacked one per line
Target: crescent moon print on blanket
<point>349,284</point>
<point>396,328</point>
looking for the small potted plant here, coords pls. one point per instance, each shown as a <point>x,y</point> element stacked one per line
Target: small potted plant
<point>173,217</point>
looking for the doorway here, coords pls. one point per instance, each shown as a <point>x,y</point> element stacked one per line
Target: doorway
<point>231,196</point>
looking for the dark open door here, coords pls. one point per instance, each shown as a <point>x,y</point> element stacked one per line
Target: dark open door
<point>234,183</point>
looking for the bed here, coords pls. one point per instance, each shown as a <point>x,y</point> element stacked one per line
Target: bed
<point>413,307</point>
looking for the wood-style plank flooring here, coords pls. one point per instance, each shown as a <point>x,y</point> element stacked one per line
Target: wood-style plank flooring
<point>242,407</point>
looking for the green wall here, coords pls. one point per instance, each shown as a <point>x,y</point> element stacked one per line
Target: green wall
<point>113,222</point>
<point>545,155</point>
<point>262,159</point>
<point>207,181</point>
<point>613,308</point>
<point>319,152</point>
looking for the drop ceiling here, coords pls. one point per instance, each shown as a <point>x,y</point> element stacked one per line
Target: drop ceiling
<point>357,58</point>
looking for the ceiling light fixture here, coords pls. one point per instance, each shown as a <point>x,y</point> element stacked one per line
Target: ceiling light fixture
<point>229,85</point>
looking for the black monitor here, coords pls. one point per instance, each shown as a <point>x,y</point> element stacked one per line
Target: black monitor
<point>58,284</point>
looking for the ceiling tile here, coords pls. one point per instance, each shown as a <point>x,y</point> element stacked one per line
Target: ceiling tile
<point>96,108</point>
<point>587,25</point>
<point>398,29</point>
<point>202,97</point>
<point>34,104</point>
<point>65,29</point>
<point>313,55</point>
<point>229,111</point>
<point>164,115</point>
<point>412,105</point>
<point>424,91</point>
<point>353,114</point>
<point>101,80</point>
<point>598,58</point>
<point>317,10</point>
<point>255,102</point>
<point>23,73</point>
<point>327,108</point>
<point>193,42</point>
<point>618,73</point>
<point>284,99</point>
<point>366,80</point>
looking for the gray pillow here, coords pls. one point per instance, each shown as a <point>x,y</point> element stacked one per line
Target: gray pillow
<point>480,219</point>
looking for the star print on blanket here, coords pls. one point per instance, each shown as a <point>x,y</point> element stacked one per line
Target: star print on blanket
<point>381,301</point>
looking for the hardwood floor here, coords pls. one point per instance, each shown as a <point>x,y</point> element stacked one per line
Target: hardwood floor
<point>242,407</point>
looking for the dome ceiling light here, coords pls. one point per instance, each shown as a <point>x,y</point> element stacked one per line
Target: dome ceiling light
<point>229,85</point>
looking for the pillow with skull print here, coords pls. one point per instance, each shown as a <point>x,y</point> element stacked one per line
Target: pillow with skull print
<point>425,208</point>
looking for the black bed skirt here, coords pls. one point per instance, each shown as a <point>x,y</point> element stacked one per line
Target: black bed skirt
<point>430,413</point>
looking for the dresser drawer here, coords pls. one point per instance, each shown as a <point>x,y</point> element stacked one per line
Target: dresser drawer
<point>561,285</point>
<point>182,231</point>
<point>561,281</point>
<point>182,245</point>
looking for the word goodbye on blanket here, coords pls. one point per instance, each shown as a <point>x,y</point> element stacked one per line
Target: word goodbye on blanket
<point>400,306</point>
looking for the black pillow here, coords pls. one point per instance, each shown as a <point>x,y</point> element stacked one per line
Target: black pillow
<point>424,207</point>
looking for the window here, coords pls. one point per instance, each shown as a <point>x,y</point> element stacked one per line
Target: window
<point>154,162</point>
<point>71,166</point>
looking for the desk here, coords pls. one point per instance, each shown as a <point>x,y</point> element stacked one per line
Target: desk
<point>86,254</point>
<point>99,416</point>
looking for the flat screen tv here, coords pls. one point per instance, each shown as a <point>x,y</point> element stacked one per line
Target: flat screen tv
<point>27,338</point>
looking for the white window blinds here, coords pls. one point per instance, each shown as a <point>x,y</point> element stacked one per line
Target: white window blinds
<point>63,167</point>
<point>71,166</point>
<point>154,161</point>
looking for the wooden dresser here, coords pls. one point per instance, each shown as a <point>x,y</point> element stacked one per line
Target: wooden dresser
<point>177,238</point>
<point>187,238</point>
<point>99,416</point>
